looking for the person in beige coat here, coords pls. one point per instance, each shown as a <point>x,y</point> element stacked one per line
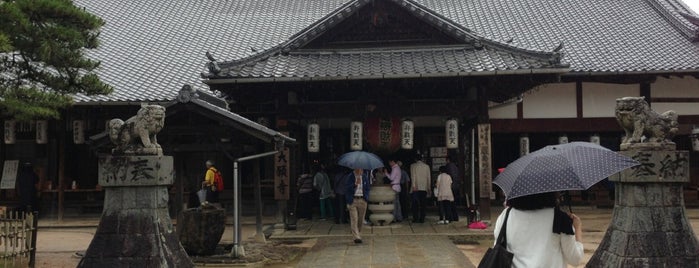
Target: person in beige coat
<point>445,197</point>
<point>421,186</point>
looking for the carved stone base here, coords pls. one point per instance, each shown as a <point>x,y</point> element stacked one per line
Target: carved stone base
<point>135,229</point>
<point>649,226</point>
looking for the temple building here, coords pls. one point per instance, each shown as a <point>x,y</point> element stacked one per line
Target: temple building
<point>479,81</point>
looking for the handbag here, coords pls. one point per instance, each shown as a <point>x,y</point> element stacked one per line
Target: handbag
<point>498,256</point>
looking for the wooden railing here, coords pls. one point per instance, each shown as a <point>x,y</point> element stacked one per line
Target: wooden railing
<point>17,239</point>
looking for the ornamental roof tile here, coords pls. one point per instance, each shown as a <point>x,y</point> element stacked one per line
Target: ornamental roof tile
<point>151,48</point>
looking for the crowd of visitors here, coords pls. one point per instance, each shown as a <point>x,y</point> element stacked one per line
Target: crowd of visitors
<point>415,189</point>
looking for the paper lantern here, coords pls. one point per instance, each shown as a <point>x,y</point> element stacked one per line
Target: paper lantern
<point>78,131</point>
<point>407,134</point>
<point>313,138</point>
<point>452,134</point>
<point>10,132</point>
<point>41,131</point>
<point>562,139</point>
<point>356,131</point>
<point>523,145</point>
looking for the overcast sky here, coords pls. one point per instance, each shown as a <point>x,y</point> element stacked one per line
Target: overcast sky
<point>693,4</point>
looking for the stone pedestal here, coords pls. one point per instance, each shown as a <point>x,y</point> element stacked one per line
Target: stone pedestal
<point>381,199</point>
<point>135,229</point>
<point>200,230</point>
<point>649,226</point>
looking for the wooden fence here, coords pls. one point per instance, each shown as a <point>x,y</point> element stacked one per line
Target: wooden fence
<point>17,239</point>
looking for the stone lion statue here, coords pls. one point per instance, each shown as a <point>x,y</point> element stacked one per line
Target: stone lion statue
<point>638,120</point>
<point>137,134</point>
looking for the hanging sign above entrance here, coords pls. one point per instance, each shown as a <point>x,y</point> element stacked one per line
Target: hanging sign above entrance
<point>523,145</point>
<point>41,131</point>
<point>356,131</point>
<point>313,138</point>
<point>452,133</point>
<point>407,129</point>
<point>383,134</point>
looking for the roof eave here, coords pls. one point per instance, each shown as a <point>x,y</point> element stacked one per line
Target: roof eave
<point>249,80</point>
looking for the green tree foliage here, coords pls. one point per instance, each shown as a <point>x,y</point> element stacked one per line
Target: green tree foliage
<point>42,57</point>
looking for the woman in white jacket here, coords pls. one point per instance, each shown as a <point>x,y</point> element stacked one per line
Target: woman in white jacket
<point>540,234</point>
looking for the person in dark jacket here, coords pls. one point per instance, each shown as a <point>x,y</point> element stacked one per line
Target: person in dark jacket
<point>342,175</point>
<point>27,182</point>
<point>357,196</point>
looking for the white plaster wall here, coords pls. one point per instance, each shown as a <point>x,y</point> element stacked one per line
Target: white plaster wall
<point>675,87</point>
<point>503,112</point>
<point>550,101</point>
<point>681,108</point>
<point>599,99</point>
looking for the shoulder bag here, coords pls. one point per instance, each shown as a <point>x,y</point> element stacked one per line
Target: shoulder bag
<point>498,256</point>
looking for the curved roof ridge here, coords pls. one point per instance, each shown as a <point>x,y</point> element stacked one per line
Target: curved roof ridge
<point>426,14</point>
<point>676,13</point>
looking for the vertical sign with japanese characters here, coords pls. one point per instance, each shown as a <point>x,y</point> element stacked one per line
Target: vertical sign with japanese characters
<point>281,174</point>
<point>42,131</point>
<point>406,134</point>
<point>356,131</point>
<point>78,131</point>
<point>10,132</point>
<point>484,160</point>
<point>452,134</point>
<point>313,138</point>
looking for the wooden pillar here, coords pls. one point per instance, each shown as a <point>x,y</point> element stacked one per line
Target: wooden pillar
<point>61,169</point>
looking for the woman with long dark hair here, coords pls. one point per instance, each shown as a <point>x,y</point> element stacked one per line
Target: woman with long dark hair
<point>540,234</point>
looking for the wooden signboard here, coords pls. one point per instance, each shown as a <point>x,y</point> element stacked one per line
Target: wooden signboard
<point>281,175</point>
<point>484,161</point>
<point>9,174</point>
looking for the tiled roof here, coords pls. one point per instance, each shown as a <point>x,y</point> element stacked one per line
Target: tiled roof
<point>599,35</point>
<point>432,61</point>
<point>150,48</point>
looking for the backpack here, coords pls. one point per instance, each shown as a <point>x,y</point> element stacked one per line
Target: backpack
<point>218,181</point>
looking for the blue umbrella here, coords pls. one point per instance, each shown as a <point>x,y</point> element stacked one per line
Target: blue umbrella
<point>360,159</point>
<point>570,166</point>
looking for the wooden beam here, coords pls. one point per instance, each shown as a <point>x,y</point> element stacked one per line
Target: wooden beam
<point>554,125</point>
<point>674,100</point>
<point>579,99</point>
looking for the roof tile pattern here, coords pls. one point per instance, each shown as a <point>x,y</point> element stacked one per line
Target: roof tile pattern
<point>150,48</point>
<point>599,35</point>
<point>388,63</point>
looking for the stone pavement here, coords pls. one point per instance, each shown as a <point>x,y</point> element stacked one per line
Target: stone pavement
<point>385,251</point>
<point>405,243</point>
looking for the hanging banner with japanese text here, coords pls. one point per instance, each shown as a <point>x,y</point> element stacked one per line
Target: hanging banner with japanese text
<point>78,131</point>
<point>10,132</point>
<point>313,138</point>
<point>484,161</point>
<point>281,174</point>
<point>42,131</point>
<point>452,134</point>
<point>356,131</point>
<point>407,129</point>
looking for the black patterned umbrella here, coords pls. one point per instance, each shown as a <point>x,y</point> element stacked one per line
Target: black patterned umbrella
<point>570,166</point>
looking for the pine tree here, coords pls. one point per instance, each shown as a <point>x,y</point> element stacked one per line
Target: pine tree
<point>42,57</point>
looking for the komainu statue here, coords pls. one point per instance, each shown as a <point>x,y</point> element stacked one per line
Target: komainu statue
<point>137,134</point>
<point>638,120</point>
